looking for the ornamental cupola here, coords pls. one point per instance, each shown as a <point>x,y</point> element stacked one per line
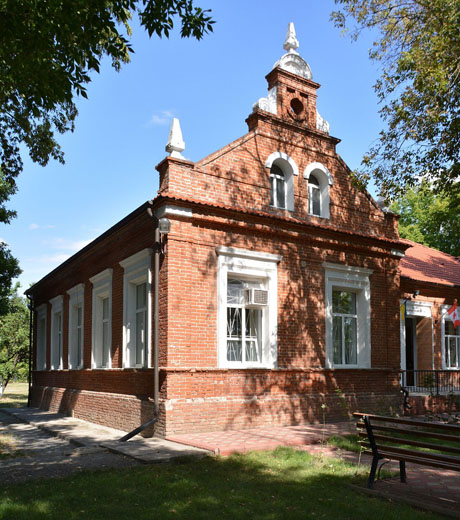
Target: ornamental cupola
<point>291,90</point>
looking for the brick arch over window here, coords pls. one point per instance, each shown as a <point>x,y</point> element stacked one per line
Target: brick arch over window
<point>289,168</point>
<point>324,178</point>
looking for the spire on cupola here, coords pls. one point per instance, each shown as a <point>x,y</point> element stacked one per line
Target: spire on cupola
<point>292,91</point>
<point>292,61</point>
<point>292,43</point>
<point>175,143</point>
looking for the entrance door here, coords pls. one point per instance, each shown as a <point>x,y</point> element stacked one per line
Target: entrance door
<point>410,350</point>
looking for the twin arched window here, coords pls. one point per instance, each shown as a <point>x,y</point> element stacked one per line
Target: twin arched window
<point>282,171</point>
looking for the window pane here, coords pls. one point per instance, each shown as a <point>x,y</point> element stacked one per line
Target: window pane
<point>349,325</point>
<point>233,322</point>
<point>252,331</point>
<point>272,191</point>
<point>234,350</point>
<point>313,181</point>
<point>105,344</point>
<point>141,295</point>
<point>337,339</point>
<point>79,345</point>
<point>140,337</point>
<point>79,316</point>
<point>315,196</point>
<point>235,292</point>
<point>449,328</point>
<point>343,302</point>
<point>452,361</point>
<point>280,193</point>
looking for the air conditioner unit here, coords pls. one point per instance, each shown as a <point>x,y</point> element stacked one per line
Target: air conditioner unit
<point>256,297</point>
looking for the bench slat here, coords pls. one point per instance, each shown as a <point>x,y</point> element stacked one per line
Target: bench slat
<point>418,454</point>
<point>410,442</point>
<point>418,433</point>
<point>416,460</point>
<point>410,422</point>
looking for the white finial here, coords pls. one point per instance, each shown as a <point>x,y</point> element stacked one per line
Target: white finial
<point>291,43</point>
<point>175,144</point>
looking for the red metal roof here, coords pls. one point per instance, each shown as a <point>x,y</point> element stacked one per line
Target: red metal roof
<point>429,265</point>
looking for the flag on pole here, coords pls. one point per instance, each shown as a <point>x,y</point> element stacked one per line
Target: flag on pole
<point>454,314</point>
<point>403,311</point>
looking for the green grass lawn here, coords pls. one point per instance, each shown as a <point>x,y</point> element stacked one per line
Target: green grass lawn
<point>283,484</point>
<point>15,396</point>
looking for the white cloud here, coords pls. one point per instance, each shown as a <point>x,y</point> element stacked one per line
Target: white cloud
<point>162,118</point>
<point>37,226</point>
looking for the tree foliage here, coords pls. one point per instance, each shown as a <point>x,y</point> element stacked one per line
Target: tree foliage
<point>48,49</point>
<point>430,218</point>
<point>418,45</point>
<point>14,339</point>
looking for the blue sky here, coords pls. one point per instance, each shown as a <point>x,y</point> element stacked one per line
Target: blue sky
<point>211,85</point>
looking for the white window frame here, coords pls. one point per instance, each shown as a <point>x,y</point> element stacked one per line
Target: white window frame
<point>57,319</point>
<point>445,317</point>
<point>352,279</point>
<point>324,177</point>
<point>76,300</point>
<point>289,168</point>
<point>42,336</point>
<point>102,288</point>
<point>256,266</point>
<point>137,270</point>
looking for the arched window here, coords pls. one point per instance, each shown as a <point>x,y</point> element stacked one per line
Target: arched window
<point>277,187</point>
<point>319,182</point>
<point>314,196</point>
<point>282,172</point>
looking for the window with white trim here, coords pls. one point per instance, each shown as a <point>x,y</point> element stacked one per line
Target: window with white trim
<point>76,303</point>
<point>348,315</point>
<point>344,327</point>
<point>137,283</point>
<point>40,359</point>
<point>245,321</point>
<point>451,334</point>
<point>56,332</point>
<point>102,320</point>
<point>282,172</point>
<point>247,308</point>
<point>319,183</point>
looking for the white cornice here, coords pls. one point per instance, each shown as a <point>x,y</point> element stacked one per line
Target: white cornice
<point>243,253</point>
<point>102,276</point>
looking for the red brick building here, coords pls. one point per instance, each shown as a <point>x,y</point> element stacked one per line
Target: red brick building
<point>277,287</point>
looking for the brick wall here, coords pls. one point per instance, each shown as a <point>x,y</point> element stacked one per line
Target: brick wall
<point>227,195</point>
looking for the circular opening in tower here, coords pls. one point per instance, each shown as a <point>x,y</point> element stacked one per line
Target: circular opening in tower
<point>297,106</point>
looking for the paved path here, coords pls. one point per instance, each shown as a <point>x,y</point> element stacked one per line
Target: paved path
<point>55,446</point>
<point>47,456</point>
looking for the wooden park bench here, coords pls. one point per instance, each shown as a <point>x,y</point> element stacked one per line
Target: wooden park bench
<point>407,440</point>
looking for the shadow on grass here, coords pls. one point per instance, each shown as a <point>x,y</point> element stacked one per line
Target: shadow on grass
<point>271,485</point>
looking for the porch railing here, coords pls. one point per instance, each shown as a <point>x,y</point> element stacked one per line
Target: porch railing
<point>434,382</point>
